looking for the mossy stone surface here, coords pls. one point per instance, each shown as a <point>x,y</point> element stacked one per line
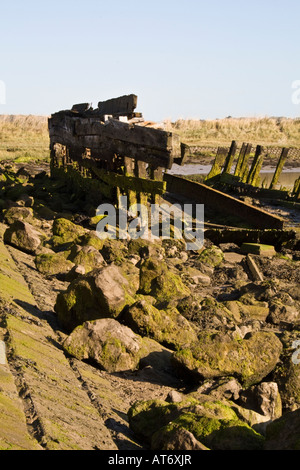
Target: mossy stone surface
<point>249,359</point>
<point>167,327</point>
<point>160,282</point>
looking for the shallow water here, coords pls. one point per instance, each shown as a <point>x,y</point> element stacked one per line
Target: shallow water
<point>286,180</point>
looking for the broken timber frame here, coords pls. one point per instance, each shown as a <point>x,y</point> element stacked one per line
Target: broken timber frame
<point>111,144</point>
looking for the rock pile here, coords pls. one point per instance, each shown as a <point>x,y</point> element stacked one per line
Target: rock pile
<point>227,338</point>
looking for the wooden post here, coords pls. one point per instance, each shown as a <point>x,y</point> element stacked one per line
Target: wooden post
<point>240,160</point>
<point>256,166</point>
<point>280,165</point>
<point>244,168</point>
<point>216,168</point>
<point>129,171</point>
<point>296,189</point>
<point>157,175</point>
<point>230,157</point>
<point>140,171</point>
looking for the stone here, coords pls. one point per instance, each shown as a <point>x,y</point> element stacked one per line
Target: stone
<point>284,432</point>
<point>53,264</point>
<point>287,372</point>
<point>167,327</point>
<point>232,257</point>
<point>211,256</point>
<point>160,282</point>
<point>74,273</point>
<point>24,214</point>
<point>101,293</point>
<point>114,347</point>
<point>212,423</point>
<point>175,438</point>
<point>263,398</point>
<point>219,355</point>
<point>23,236</point>
<point>65,234</point>
<point>258,249</point>
<point>87,256</point>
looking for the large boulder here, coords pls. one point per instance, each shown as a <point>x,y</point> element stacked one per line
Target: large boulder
<point>287,372</point>
<point>210,424</point>
<point>284,433</point>
<point>114,347</point>
<point>65,234</point>
<point>87,256</point>
<point>23,236</point>
<point>219,355</point>
<point>167,327</point>
<point>51,264</point>
<point>102,293</point>
<point>160,282</point>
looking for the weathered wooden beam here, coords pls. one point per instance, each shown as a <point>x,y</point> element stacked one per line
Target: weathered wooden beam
<point>219,201</point>
<point>216,168</point>
<point>244,168</point>
<point>114,137</point>
<point>122,105</point>
<point>279,168</point>
<point>240,159</point>
<point>230,157</point>
<point>256,166</point>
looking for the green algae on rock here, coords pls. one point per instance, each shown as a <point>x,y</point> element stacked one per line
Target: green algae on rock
<point>52,264</point>
<point>215,355</point>
<point>102,293</point>
<point>167,327</point>
<point>160,282</point>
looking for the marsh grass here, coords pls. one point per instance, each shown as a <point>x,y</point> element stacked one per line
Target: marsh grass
<point>221,132</point>
<point>24,138</point>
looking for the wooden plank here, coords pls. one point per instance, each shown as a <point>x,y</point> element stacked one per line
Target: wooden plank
<point>230,157</point>
<point>279,168</point>
<point>256,166</point>
<point>244,168</point>
<point>123,105</point>
<point>240,159</point>
<point>216,168</point>
<point>219,201</point>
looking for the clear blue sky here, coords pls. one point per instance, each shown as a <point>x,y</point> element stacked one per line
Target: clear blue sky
<point>201,59</point>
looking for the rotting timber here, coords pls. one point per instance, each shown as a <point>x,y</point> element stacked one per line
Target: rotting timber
<point>112,151</point>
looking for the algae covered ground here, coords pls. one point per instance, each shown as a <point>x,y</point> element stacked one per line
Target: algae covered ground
<point>138,344</point>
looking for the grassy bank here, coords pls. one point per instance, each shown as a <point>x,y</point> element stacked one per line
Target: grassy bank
<point>24,138</point>
<point>265,131</point>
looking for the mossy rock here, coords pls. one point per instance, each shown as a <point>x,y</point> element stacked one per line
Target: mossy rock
<point>211,422</point>
<point>218,355</point>
<point>114,347</point>
<point>102,293</point>
<point>91,239</point>
<point>53,264</point>
<point>167,327</point>
<point>220,434</point>
<point>287,372</point>
<point>114,251</point>
<point>284,432</point>
<point>160,282</point>
<point>86,256</point>
<point>18,213</point>
<point>212,256</point>
<point>65,234</point>
<point>147,417</point>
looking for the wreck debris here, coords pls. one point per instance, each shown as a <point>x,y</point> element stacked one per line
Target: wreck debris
<point>112,145</point>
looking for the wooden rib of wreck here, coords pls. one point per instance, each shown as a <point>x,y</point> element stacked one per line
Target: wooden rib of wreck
<point>114,145</point>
